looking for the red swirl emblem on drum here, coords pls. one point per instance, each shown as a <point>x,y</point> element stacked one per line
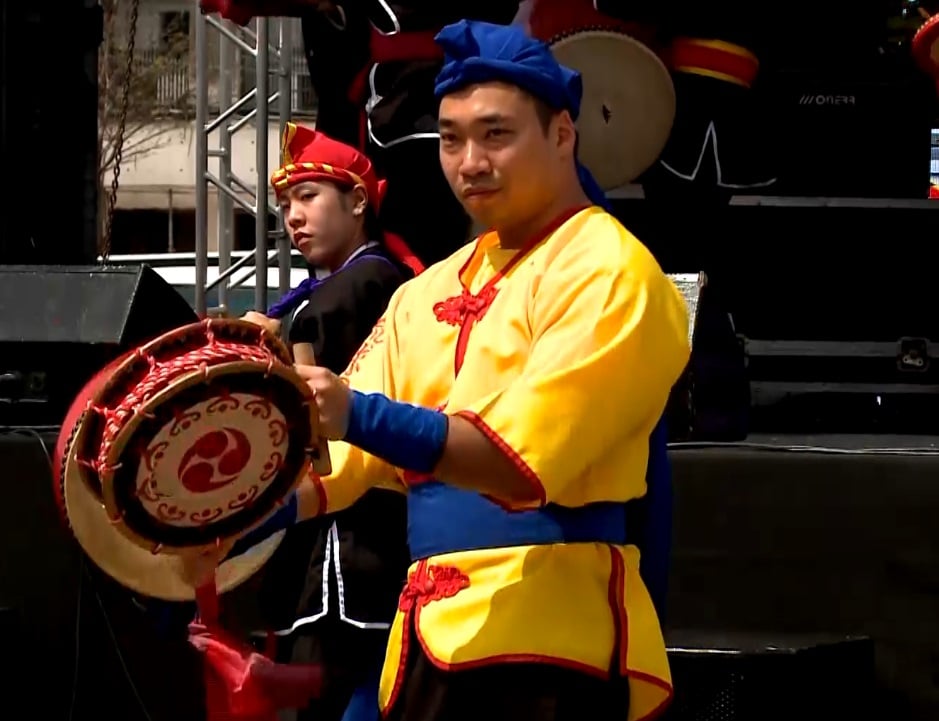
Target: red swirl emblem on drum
<point>214,460</point>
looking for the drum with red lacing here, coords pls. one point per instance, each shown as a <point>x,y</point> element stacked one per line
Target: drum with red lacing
<point>718,139</point>
<point>190,440</point>
<point>629,99</point>
<point>926,48</point>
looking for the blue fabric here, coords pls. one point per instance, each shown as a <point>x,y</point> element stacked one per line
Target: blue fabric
<point>292,299</point>
<point>478,52</point>
<point>444,519</point>
<point>363,706</point>
<point>408,437</point>
<point>284,517</point>
<point>592,188</point>
<point>655,543</point>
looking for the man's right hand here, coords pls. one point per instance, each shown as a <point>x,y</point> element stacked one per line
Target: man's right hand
<point>270,324</point>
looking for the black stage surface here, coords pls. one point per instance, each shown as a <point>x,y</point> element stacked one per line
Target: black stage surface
<point>823,534</point>
<point>777,540</point>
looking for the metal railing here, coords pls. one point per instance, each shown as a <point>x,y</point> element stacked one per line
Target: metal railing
<point>170,77</point>
<point>264,46</point>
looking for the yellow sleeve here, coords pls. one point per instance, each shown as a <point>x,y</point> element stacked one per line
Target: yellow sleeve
<point>609,340</point>
<point>371,370</point>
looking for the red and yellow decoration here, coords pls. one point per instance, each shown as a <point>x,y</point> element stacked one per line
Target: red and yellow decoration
<point>716,59</point>
<point>188,440</point>
<point>308,155</point>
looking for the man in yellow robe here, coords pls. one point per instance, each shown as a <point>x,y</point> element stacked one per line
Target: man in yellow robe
<point>512,390</point>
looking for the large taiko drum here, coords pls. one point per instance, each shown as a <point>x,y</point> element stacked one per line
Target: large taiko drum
<point>629,99</point>
<point>190,440</point>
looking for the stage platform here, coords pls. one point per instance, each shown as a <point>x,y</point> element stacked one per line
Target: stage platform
<point>776,540</point>
<point>816,534</point>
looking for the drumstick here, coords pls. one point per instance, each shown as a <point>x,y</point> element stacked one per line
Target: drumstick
<point>303,354</point>
<point>924,13</point>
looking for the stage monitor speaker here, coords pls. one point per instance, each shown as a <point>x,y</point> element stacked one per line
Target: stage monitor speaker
<point>59,325</point>
<point>711,401</point>
<point>736,677</point>
<point>849,137</point>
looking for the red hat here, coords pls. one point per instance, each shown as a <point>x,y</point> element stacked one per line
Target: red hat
<point>311,155</point>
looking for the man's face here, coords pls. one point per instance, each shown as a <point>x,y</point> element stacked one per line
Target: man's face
<point>498,157</point>
<point>322,221</point>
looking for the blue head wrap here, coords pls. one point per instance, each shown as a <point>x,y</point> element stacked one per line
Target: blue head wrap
<point>478,52</point>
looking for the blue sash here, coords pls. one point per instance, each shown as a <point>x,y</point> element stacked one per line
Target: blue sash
<point>443,519</point>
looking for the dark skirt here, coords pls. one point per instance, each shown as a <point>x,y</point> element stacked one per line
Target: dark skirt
<point>505,692</point>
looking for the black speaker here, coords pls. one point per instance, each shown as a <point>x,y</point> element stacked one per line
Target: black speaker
<point>59,325</point>
<point>851,137</point>
<point>33,118</point>
<point>711,401</point>
<point>749,677</point>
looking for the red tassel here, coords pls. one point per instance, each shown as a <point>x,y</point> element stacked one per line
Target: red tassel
<point>240,683</point>
<point>400,250</point>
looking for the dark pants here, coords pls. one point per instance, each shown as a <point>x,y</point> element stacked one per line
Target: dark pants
<point>353,657</point>
<point>505,692</point>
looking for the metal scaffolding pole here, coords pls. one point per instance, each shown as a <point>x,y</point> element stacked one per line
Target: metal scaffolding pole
<point>231,116</point>
<point>284,108</point>
<point>202,164</point>
<point>260,205</point>
<point>226,208</point>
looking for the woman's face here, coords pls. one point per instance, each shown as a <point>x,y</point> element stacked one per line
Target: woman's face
<point>324,221</point>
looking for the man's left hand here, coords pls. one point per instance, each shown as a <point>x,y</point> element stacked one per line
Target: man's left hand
<point>333,399</point>
<point>270,324</point>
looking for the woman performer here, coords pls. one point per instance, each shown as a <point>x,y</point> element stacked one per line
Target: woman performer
<point>331,589</point>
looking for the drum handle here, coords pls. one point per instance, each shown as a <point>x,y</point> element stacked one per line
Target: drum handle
<point>207,605</point>
<point>207,602</point>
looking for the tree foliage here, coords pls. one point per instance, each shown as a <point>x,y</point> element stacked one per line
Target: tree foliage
<point>160,85</point>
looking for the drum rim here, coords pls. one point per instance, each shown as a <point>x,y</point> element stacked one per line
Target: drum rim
<point>923,41</point>
<point>126,436</point>
<point>129,363</point>
<point>660,70</point>
<point>128,371</point>
<point>562,39</point>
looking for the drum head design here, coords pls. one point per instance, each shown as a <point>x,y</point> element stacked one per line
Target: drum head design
<point>628,105</point>
<point>193,438</point>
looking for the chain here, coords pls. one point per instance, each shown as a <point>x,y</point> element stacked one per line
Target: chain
<point>121,127</point>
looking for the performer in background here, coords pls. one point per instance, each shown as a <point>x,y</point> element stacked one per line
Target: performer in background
<point>717,147</point>
<point>372,64</point>
<point>331,589</point>
<point>514,389</point>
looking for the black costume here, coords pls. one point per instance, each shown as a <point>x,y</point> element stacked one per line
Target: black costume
<point>331,589</point>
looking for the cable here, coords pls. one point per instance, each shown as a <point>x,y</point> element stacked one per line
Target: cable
<point>802,448</point>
